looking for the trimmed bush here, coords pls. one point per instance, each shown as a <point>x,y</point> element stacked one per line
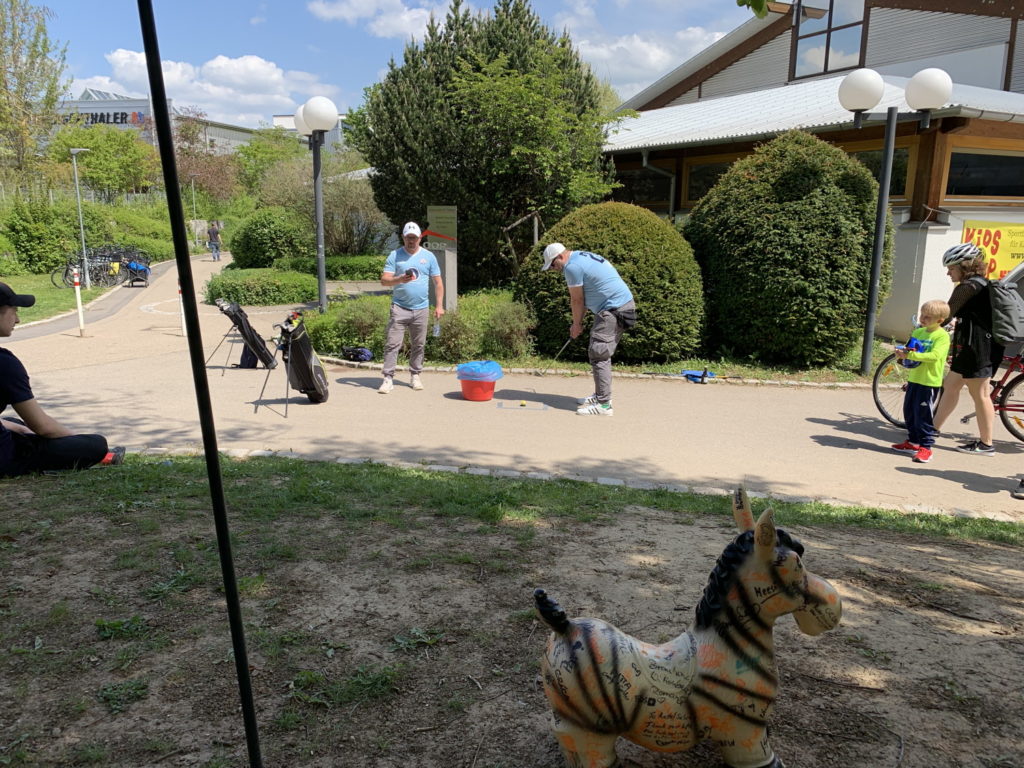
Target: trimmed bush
<point>337,267</point>
<point>507,332</point>
<point>45,234</point>
<point>358,322</point>
<point>255,287</point>
<point>654,260</point>
<point>785,240</point>
<point>459,341</point>
<point>268,234</point>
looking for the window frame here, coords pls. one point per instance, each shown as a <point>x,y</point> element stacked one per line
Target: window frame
<point>825,35</point>
<point>910,143</point>
<point>985,146</point>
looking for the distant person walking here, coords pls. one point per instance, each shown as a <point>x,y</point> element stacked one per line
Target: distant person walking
<point>213,239</point>
<point>595,284</point>
<point>36,442</point>
<point>408,269</point>
<point>976,354</point>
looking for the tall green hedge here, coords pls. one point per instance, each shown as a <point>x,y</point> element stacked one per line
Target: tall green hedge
<point>649,254</point>
<point>784,240</point>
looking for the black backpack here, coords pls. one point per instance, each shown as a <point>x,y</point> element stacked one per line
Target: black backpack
<point>1007,310</point>
<point>357,354</point>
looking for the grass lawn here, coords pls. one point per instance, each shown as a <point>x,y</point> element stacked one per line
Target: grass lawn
<point>50,300</point>
<point>388,611</point>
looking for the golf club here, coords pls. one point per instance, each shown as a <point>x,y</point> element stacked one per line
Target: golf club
<point>548,368</point>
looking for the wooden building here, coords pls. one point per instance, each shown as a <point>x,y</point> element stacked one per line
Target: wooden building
<point>960,178</point>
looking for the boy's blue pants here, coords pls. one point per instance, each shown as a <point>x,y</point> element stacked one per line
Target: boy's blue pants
<point>919,404</point>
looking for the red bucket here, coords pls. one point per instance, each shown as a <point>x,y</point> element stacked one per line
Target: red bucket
<point>477,390</point>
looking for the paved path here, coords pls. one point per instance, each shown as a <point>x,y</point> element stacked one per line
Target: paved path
<point>130,378</point>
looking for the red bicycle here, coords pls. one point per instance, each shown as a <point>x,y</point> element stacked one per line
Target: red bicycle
<point>1007,395</point>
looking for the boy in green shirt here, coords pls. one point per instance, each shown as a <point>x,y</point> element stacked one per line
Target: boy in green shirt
<point>924,381</point>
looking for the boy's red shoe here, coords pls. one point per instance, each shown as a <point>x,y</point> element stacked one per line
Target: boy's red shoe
<point>923,455</point>
<point>906,447</point>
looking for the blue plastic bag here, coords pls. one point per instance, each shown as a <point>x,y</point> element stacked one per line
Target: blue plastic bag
<point>479,370</point>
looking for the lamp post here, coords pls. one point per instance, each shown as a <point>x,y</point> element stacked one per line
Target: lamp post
<point>860,91</point>
<point>81,225</point>
<point>314,119</point>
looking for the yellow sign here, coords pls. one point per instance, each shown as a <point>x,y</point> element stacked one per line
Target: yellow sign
<point>1003,244</point>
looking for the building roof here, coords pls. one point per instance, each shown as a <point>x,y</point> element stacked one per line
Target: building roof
<point>94,94</point>
<point>723,45</point>
<point>811,105</point>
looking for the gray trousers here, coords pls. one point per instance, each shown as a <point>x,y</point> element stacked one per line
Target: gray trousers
<point>413,320</point>
<point>604,338</point>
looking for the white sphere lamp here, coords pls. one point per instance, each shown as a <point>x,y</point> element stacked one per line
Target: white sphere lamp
<point>929,89</point>
<point>300,124</point>
<point>861,90</point>
<point>320,113</point>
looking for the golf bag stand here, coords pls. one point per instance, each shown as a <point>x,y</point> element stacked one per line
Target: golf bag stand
<point>305,371</point>
<point>254,346</point>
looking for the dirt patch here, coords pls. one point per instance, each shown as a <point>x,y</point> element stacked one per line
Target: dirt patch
<point>414,644</point>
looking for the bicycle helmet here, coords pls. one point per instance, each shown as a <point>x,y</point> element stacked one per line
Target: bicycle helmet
<point>958,254</point>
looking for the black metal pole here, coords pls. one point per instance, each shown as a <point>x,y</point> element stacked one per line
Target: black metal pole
<point>162,120</point>
<point>876,254</point>
<point>316,140</point>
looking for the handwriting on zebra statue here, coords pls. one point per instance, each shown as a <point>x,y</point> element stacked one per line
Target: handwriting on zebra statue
<point>717,680</point>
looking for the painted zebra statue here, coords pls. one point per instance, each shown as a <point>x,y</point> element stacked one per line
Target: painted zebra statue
<point>716,681</point>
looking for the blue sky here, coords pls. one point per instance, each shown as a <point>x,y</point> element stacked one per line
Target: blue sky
<point>242,61</point>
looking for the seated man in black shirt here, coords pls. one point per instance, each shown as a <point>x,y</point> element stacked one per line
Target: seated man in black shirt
<point>36,442</point>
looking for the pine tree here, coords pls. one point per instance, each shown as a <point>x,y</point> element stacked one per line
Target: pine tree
<point>494,114</point>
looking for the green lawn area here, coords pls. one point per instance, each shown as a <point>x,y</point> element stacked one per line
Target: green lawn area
<point>50,301</point>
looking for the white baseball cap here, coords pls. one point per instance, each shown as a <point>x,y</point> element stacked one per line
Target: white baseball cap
<point>412,228</point>
<point>552,252</point>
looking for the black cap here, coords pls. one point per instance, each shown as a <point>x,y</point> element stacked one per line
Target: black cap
<point>8,298</point>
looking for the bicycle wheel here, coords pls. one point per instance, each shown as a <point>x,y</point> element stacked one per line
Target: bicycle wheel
<point>1011,407</point>
<point>57,277</point>
<point>888,387</point>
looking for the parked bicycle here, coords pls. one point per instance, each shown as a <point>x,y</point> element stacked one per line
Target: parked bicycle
<point>890,383</point>
<point>107,267</point>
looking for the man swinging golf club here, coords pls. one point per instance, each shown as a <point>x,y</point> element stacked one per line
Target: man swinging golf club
<point>594,284</point>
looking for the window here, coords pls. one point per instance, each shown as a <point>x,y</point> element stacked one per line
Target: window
<point>642,186</point>
<point>980,173</point>
<point>872,158</point>
<point>828,36</point>
<point>702,177</point>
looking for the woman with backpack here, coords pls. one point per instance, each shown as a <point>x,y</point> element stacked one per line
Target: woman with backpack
<point>976,354</point>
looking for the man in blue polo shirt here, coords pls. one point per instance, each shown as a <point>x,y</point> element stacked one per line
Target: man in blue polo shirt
<point>595,284</point>
<point>36,442</point>
<point>408,269</point>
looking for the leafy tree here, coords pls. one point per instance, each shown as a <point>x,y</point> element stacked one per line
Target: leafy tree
<point>352,222</point>
<point>267,147</point>
<point>785,240</point>
<point>494,114</point>
<point>759,7</point>
<point>31,71</point>
<point>118,159</point>
<point>215,176</point>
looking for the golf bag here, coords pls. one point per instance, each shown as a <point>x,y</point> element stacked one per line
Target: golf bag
<point>305,371</point>
<point>255,347</point>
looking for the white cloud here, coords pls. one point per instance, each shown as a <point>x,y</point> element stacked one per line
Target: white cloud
<point>245,90</point>
<point>258,20</point>
<point>627,58</point>
<point>410,22</point>
<point>383,18</point>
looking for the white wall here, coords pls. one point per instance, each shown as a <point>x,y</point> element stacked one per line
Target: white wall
<point>918,274</point>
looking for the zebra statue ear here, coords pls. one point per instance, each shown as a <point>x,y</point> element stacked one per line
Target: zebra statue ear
<point>741,511</point>
<point>764,536</point>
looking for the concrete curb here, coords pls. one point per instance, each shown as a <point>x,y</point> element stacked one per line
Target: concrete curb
<point>653,376</point>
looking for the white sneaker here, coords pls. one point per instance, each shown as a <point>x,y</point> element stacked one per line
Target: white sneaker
<point>588,400</point>
<point>386,386</point>
<point>415,382</point>
<point>595,409</point>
